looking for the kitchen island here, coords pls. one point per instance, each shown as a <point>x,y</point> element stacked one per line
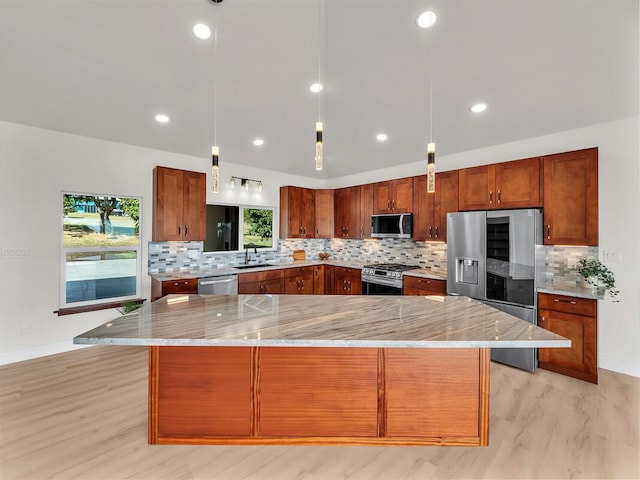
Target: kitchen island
<point>296,369</point>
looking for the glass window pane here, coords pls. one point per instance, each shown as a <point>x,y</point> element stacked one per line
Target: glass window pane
<point>100,221</point>
<point>258,228</point>
<point>100,275</point>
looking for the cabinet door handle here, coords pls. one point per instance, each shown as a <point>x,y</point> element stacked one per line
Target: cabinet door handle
<point>393,204</point>
<point>430,230</point>
<point>572,302</point>
<point>548,232</point>
<point>436,231</point>
<point>491,197</point>
<point>542,322</point>
<point>186,230</point>
<point>361,232</point>
<point>499,200</point>
<point>179,230</point>
<point>388,204</point>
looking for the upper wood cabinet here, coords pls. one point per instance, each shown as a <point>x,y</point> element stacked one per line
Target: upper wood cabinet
<point>179,201</point>
<point>430,209</point>
<point>366,209</point>
<point>513,184</point>
<point>571,198</point>
<point>324,211</point>
<point>347,212</point>
<point>393,196</point>
<point>297,212</point>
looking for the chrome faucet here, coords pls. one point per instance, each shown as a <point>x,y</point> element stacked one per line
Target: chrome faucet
<point>246,255</point>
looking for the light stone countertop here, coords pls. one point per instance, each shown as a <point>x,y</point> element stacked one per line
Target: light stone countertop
<point>425,273</point>
<point>230,270</point>
<point>568,288</point>
<point>321,321</point>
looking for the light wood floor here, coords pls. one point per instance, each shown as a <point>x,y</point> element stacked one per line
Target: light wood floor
<point>83,414</point>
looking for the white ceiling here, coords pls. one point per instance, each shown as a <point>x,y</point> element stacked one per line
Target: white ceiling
<point>104,68</point>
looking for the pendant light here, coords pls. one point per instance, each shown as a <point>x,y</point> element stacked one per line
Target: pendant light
<point>215,151</point>
<point>319,127</point>
<point>431,146</point>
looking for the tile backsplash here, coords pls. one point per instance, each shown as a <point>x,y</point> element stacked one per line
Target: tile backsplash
<point>556,263</point>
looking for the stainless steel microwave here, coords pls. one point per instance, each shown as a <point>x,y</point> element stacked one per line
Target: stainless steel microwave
<point>392,225</point>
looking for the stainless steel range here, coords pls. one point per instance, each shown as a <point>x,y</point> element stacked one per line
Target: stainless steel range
<point>384,278</point>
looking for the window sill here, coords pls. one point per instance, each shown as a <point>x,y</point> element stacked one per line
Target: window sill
<point>99,306</point>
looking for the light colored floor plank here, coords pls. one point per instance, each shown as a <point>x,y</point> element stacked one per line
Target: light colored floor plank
<point>83,415</point>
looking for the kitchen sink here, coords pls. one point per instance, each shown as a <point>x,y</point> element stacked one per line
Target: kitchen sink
<point>256,265</point>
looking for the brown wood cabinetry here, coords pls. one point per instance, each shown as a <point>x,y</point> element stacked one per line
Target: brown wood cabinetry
<point>347,212</point>
<point>179,200</point>
<point>323,279</point>
<point>366,209</point>
<point>571,198</point>
<point>202,391</point>
<point>298,280</point>
<point>393,196</point>
<point>324,211</point>
<point>430,209</point>
<point>297,212</point>
<point>576,319</point>
<point>348,281</point>
<point>513,184</point>
<point>267,281</point>
<point>187,286</point>
<point>424,286</point>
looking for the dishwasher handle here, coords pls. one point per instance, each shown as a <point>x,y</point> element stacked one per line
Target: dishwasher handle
<point>215,282</point>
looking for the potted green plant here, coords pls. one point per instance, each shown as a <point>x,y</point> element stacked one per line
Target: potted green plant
<point>596,274</point>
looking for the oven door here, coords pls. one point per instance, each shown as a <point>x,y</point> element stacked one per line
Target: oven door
<point>372,288</point>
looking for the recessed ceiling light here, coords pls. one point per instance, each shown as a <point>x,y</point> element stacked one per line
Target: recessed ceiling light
<point>200,30</point>
<point>258,142</point>
<point>162,118</point>
<point>426,19</point>
<point>478,107</point>
<point>316,88</point>
<point>381,137</point>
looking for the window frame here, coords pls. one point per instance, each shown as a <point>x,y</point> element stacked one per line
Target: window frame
<point>241,246</point>
<point>98,303</point>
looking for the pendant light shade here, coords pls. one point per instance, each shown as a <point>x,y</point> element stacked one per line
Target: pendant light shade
<point>431,168</point>
<point>215,171</point>
<point>319,151</point>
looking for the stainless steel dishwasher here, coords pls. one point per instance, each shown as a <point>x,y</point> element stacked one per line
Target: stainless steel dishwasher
<point>223,285</point>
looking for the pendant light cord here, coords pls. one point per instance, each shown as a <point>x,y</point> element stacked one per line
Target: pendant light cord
<point>430,85</point>
<point>320,57</point>
<point>215,85</point>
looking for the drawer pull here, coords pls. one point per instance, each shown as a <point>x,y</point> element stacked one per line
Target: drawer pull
<point>572,302</point>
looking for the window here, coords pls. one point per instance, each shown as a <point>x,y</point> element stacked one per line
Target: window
<point>232,228</point>
<point>100,249</point>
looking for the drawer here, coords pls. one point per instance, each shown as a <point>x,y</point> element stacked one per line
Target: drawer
<point>348,272</point>
<point>298,271</point>
<point>567,304</point>
<point>260,276</point>
<point>431,284</point>
<point>180,286</point>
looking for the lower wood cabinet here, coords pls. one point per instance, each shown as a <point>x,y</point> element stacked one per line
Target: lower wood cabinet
<point>187,286</point>
<point>348,281</point>
<point>323,279</point>
<point>576,319</point>
<point>424,286</point>
<point>298,280</point>
<point>267,281</point>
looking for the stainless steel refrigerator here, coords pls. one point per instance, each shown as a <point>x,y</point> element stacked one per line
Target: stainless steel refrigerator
<point>491,257</point>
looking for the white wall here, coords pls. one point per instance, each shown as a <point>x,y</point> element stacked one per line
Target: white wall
<point>37,165</point>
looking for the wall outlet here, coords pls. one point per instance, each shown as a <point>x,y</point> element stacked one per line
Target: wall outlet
<point>611,256</point>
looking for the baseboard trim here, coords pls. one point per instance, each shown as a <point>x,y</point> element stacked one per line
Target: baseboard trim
<point>37,351</point>
<point>616,365</point>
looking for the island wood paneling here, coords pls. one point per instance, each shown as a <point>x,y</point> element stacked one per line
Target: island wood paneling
<point>318,392</point>
<point>203,391</point>
<point>442,385</point>
<point>318,396</point>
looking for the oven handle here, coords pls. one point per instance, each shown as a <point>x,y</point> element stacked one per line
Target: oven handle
<point>380,281</point>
